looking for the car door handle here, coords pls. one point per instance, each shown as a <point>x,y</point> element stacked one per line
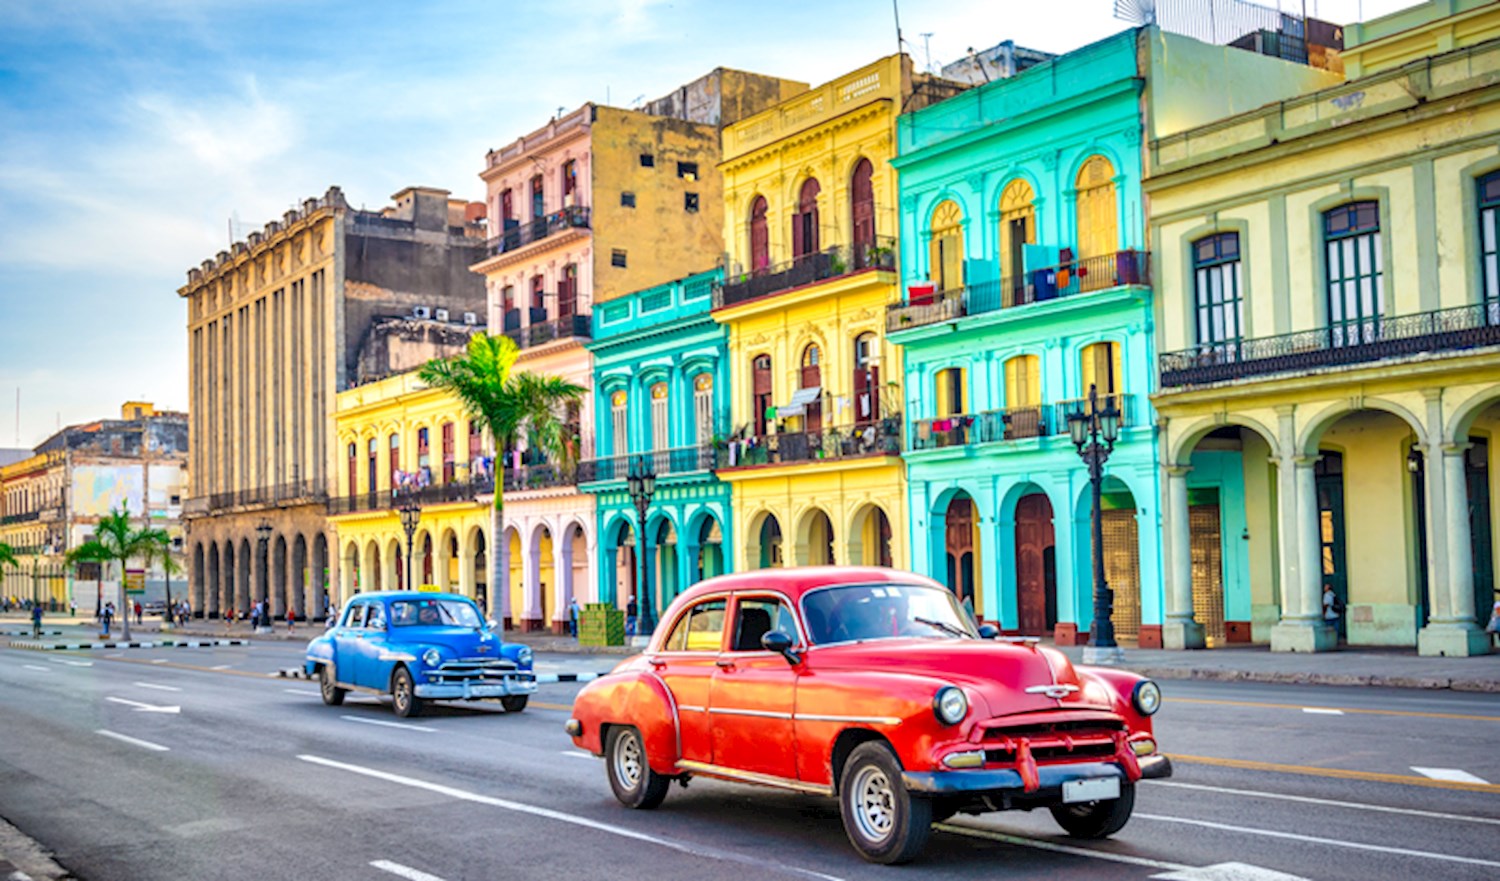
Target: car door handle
<point>724,662</point>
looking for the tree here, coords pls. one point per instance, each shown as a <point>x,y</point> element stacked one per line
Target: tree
<point>513,406</point>
<point>118,540</point>
<point>92,552</point>
<point>8,557</point>
<point>158,549</point>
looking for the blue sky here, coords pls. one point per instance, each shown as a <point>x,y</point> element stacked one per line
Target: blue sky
<point>132,131</point>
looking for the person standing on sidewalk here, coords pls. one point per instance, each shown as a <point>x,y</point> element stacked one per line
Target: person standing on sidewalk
<point>573,617</point>
<point>105,617</point>
<point>291,619</point>
<point>72,608</point>
<point>1493,628</point>
<point>36,620</point>
<point>137,611</point>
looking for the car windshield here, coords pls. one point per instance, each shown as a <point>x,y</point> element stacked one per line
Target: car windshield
<point>884,611</point>
<point>433,613</point>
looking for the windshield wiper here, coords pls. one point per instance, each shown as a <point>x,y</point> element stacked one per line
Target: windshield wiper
<point>943,626</point>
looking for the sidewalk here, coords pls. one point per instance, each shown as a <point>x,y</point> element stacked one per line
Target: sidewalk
<point>1386,668</point>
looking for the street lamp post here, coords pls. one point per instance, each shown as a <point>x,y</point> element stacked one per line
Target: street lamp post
<point>642,485</point>
<point>263,545</point>
<point>411,515</point>
<point>1094,433</point>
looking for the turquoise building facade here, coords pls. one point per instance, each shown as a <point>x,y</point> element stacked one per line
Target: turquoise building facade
<point>661,380</point>
<point>1027,283</point>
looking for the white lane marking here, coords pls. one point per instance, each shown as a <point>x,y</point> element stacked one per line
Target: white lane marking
<point>35,667</point>
<point>404,871</point>
<point>133,741</point>
<point>1323,711</point>
<point>1331,842</point>
<point>302,691</point>
<point>159,660</point>
<point>574,819</point>
<point>116,655</point>
<point>576,754</point>
<point>1006,838</point>
<point>220,667</point>
<point>71,663</point>
<point>1452,775</point>
<point>1228,872</point>
<point>157,687</point>
<point>384,724</point>
<point>1303,799</point>
<point>144,708</point>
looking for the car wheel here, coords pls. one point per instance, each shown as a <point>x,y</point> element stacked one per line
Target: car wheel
<point>514,703</point>
<point>630,774</point>
<point>404,698</point>
<point>1097,819</point>
<point>883,821</point>
<point>332,694</point>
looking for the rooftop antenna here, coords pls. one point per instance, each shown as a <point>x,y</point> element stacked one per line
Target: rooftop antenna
<point>927,49</point>
<point>896,9</point>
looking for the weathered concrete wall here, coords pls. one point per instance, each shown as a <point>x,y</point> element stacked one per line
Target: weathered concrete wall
<point>396,345</point>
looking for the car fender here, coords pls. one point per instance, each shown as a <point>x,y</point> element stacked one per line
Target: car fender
<point>1120,685</point>
<point>640,699</point>
<point>319,652</point>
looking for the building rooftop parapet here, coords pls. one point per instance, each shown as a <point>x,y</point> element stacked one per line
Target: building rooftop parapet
<point>555,128</point>
<point>656,306</point>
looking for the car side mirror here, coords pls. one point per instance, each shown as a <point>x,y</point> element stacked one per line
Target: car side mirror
<point>780,642</point>
<point>492,624</point>
<point>988,631</point>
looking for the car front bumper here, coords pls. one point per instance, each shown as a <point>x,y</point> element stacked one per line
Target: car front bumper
<point>513,685</point>
<point>1007,783</point>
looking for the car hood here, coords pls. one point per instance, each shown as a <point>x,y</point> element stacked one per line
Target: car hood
<point>1012,678</point>
<point>455,642</point>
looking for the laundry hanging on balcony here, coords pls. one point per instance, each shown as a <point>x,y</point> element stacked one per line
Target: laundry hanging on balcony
<point>797,406</point>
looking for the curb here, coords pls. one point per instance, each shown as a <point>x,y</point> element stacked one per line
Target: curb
<point>165,643</point>
<point>22,858</point>
<point>28,633</point>
<point>542,678</point>
<point>1214,674</point>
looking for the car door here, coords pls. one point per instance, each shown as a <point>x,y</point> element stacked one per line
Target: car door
<point>754,691</point>
<point>685,665</point>
<point>345,638</point>
<point>373,672</point>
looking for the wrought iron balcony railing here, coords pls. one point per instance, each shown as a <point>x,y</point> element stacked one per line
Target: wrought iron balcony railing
<point>1461,327</point>
<point>990,426</point>
<point>1124,403</point>
<point>535,230</point>
<point>879,438</point>
<point>540,476</point>
<point>1038,286</point>
<point>680,460</point>
<point>805,270</point>
<point>572,326</point>
<point>302,491</point>
<point>387,500</point>
<point>22,517</point>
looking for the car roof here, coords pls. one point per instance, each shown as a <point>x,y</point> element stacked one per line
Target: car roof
<point>798,580</point>
<point>387,595</point>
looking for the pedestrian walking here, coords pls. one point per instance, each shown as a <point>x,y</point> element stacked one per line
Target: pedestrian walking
<point>72,608</point>
<point>1331,607</point>
<point>228,620</point>
<point>573,617</point>
<point>36,620</point>
<point>137,612</point>
<point>630,618</point>
<point>291,619</point>
<point>106,617</point>
<point>1493,628</point>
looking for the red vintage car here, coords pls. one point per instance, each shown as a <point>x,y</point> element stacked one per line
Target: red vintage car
<point>874,686</point>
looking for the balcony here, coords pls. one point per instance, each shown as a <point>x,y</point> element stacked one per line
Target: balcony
<point>1038,286</point>
<point>541,332</point>
<point>1016,423</point>
<point>1124,403</point>
<point>1442,330</point>
<point>881,438</point>
<point>682,460</point>
<point>521,235</point>
<point>544,475</point>
<point>833,262</point>
<point>388,500</point>
<point>305,491</point>
<point>23,517</point>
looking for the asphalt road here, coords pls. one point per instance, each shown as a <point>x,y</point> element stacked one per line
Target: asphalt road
<point>252,777</point>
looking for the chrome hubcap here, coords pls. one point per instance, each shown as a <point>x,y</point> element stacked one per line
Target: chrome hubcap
<point>403,691</point>
<point>628,760</point>
<point>874,803</point>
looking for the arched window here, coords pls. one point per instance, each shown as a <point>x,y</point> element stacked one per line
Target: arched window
<point>812,378</point>
<point>703,407</point>
<point>760,237</point>
<point>947,246</point>
<point>449,445</point>
<point>660,425</point>
<point>353,468</point>
<point>1356,289</point>
<point>760,393</point>
<point>805,221</point>
<point>1017,230</point>
<point>371,448</point>
<point>866,378</point>
<point>619,421</point>
<point>862,211</point>
<point>1098,221</point>
<point>393,447</point>
<point>1023,382</point>
<point>1100,368</point>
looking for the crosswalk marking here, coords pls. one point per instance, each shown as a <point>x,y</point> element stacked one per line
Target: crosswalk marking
<point>1452,775</point>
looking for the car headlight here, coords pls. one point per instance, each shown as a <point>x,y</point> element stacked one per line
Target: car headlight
<point>950,705</point>
<point>1146,697</point>
<point>523,657</point>
<point>432,657</point>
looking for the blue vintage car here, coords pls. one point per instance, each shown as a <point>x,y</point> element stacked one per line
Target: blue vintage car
<point>418,647</point>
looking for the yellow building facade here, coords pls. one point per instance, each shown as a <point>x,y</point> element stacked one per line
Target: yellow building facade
<point>1329,328</point>
<point>400,442</point>
<point>816,398</point>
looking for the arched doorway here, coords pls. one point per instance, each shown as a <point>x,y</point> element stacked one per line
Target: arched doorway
<point>248,575</point>
<point>451,561</point>
<point>424,562</point>
<point>1036,565</point>
<point>815,539</point>
<point>870,538</point>
<point>664,551</point>
<point>196,595</point>
<point>322,579</point>
<point>516,586</point>
<point>297,599</point>
<point>215,605</point>
<point>280,583</point>
<point>710,562</point>
<point>1122,555</point>
<point>960,545</point>
<point>764,550</point>
<point>623,569</point>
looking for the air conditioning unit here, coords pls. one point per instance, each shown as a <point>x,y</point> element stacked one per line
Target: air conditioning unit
<point>470,318</point>
<point>421,312</point>
<point>442,315</point>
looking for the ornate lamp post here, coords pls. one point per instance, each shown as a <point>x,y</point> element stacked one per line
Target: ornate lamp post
<point>641,483</point>
<point>1094,433</point>
<point>411,515</point>
<point>263,542</point>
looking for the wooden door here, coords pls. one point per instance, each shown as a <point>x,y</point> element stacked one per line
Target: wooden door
<point>862,194</point>
<point>1206,547</point>
<point>1036,588</point>
<point>760,236</point>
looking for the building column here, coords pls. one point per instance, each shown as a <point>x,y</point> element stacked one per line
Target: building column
<point>531,585</point>
<point>300,583</point>
<point>1452,631</point>
<point>466,570</point>
<point>1179,629</point>
<point>1302,628</point>
<point>562,573</point>
<point>246,578</point>
<point>282,575</point>
<point>346,580</point>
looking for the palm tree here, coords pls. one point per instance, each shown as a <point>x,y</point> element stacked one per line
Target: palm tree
<point>92,552</point>
<point>512,405</point>
<point>8,557</point>
<point>157,548</point>
<point>118,540</point>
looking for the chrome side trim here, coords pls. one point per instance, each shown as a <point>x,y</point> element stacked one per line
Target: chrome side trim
<point>752,777</point>
<point>736,711</point>
<point>688,709</point>
<point>825,717</point>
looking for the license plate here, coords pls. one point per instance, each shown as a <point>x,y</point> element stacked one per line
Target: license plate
<point>1093,789</point>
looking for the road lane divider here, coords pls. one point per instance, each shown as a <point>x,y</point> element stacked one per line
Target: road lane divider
<point>407,726</point>
<point>1352,711</point>
<point>133,741</point>
<point>145,708</point>
<point>36,668</point>
<point>757,863</point>
<point>406,872</point>
<point>1326,802</point>
<point>1322,711</point>
<point>1451,774</point>
<point>32,645</point>
<point>541,678</point>
<point>153,685</point>
<point>1313,839</point>
<point>1341,773</point>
